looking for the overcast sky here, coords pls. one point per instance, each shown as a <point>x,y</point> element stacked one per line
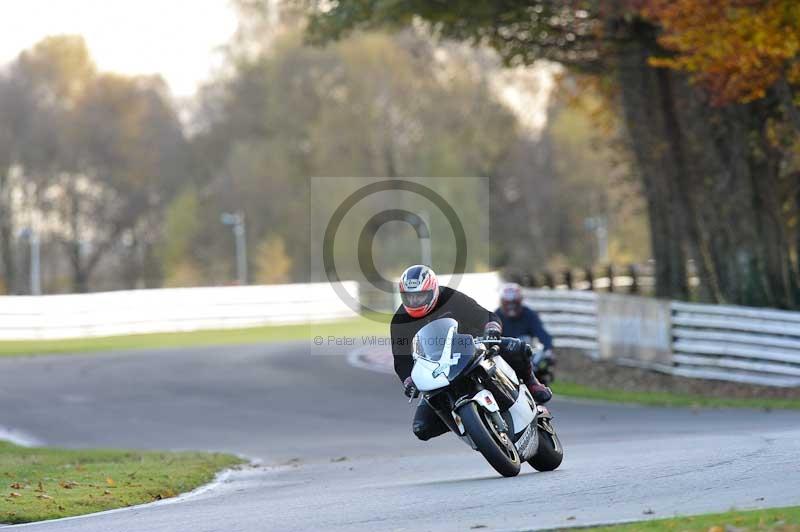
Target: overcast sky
<point>176,38</point>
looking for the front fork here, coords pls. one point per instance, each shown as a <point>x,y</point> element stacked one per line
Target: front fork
<point>486,402</point>
<point>544,419</point>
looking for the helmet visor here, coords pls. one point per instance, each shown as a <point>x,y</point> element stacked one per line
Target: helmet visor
<point>511,308</point>
<point>416,299</point>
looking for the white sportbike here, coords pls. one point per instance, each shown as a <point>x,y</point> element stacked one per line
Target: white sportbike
<point>480,398</point>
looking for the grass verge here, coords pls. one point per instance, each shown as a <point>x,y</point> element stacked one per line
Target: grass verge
<point>570,389</point>
<point>771,520</point>
<point>351,327</point>
<point>40,483</point>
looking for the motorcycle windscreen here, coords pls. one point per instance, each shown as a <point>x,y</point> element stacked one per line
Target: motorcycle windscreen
<point>440,342</point>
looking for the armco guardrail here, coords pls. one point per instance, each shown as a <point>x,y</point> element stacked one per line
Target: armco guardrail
<point>736,343</point>
<point>169,310</point>
<point>569,315</point>
<point>740,344</point>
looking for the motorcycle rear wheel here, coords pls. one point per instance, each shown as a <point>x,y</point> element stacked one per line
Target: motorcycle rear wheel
<point>496,447</point>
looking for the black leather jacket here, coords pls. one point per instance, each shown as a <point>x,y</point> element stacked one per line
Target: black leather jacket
<point>471,317</point>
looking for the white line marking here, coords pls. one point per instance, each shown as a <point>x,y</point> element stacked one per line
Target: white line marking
<point>359,359</point>
<point>19,437</point>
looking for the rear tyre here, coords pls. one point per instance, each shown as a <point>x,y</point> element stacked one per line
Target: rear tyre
<point>549,454</point>
<point>496,447</point>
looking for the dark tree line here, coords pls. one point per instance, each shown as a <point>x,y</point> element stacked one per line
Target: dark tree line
<point>719,178</point>
<point>124,194</point>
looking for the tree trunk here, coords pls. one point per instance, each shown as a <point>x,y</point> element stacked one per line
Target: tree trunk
<point>684,194</point>
<point>9,266</point>
<point>640,96</point>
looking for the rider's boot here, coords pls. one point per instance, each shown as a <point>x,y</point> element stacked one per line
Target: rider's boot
<point>540,393</point>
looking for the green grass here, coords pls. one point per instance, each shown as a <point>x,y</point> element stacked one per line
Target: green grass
<point>569,389</point>
<point>772,520</point>
<point>37,484</point>
<point>352,327</point>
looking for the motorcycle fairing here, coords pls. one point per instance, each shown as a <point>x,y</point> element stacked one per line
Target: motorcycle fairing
<point>437,362</point>
<point>422,375</point>
<point>521,412</point>
<point>527,443</point>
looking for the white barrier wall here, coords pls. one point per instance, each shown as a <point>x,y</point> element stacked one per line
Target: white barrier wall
<point>731,343</point>
<point>739,344</point>
<point>169,310</point>
<point>484,288</point>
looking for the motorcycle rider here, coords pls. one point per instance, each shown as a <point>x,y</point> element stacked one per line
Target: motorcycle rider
<point>424,301</point>
<point>521,321</point>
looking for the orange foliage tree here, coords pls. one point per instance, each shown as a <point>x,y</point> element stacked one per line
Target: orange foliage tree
<point>738,49</point>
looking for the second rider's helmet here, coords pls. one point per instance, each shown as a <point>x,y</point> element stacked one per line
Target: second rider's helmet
<point>511,300</point>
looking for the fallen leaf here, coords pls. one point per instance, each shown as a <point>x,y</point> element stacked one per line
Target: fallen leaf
<point>40,488</point>
<point>110,481</point>
<point>17,486</point>
<point>649,511</point>
<point>340,459</point>
<point>68,484</point>
<point>14,494</point>
<point>473,527</point>
<point>106,492</point>
<point>43,496</point>
<point>716,529</point>
<point>571,518</point>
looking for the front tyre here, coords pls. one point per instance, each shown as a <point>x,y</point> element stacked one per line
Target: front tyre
<point>496,447</point>
<point>549,454</point>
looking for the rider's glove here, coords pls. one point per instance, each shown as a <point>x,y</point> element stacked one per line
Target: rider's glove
<point>409,388</point>
<point>515,346</point>
<point>492,330</point>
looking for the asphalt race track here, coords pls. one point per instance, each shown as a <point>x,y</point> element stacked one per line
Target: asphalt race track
<point>338,452</point>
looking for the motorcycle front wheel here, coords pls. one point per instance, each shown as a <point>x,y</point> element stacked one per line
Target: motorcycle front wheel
<point>496,447</point>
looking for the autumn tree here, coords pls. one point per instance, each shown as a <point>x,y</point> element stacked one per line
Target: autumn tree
<point>102,154</point>
<point>737,49</point>
<point>375,105</point>
<point>715,177</point>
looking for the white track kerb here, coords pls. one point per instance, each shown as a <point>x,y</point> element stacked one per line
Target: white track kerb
<point>19,437</point>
